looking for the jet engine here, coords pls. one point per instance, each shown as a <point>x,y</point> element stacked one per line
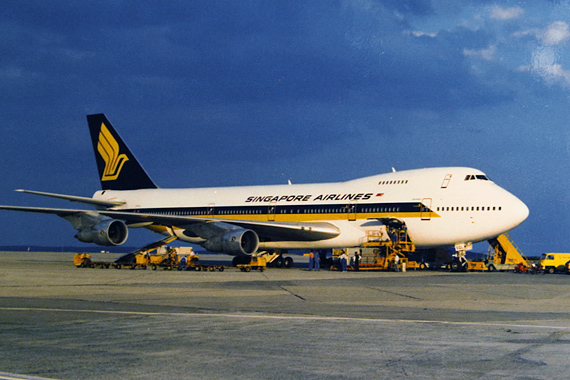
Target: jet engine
<point>106,232</point>
<point>234,242</point>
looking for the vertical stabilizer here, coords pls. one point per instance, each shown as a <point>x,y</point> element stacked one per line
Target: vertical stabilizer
<point>118,167</point>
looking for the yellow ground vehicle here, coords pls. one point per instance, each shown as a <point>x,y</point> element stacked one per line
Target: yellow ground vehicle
<point>83,260</point>
<point>383,249</point>
<point>504,254</point>
<point>553,262</point>
<point>257,263</point>
<point>168,260</point>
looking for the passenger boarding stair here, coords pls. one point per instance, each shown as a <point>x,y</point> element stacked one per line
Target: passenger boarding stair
<point>504,254</point>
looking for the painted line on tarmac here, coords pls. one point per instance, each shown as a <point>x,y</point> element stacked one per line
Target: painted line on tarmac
<point>14,376</point>
<point>285,317</point>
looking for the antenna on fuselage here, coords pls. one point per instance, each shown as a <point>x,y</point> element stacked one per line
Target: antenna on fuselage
<point>393,169</point>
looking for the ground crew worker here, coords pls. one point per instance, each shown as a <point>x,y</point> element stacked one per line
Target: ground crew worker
<point>343,261</point>
<point>182,264</point>
<point>311,260</point>
<point>396,262</point>
<point>357,255</point>
<point>317,261</point>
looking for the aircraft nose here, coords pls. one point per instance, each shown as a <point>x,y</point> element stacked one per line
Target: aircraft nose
<point>519,211</point>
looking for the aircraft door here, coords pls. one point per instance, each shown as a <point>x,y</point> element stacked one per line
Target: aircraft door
<point>351,208</point>
<point>271,212</point>
<point>446,180</point>
<point>425,209</point>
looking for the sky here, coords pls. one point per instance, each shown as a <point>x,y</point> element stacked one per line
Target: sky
<point>221,93</point>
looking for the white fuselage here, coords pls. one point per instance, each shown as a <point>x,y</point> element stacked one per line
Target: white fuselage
<point>440,206</point>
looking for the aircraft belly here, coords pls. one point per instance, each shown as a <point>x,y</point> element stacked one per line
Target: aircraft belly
<point>448,231</point>
<point>351,234</point>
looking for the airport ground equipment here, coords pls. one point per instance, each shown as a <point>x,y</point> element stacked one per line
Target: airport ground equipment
<point>258,262</point>
<point>554,262</point>
<point>130,259</point>
<point>524,268</point>
<point>168,260</point>
<point>83,260</point>
<point>273,259</point>
<point>165,257</point>
<point>379,250</point>
<point>504,254</point>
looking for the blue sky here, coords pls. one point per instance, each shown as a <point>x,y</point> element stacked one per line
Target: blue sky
<point>218,93</point>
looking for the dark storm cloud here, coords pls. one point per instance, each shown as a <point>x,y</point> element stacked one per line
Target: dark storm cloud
<point>222,52</point>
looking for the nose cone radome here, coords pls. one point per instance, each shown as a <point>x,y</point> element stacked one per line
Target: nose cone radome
<point>518,211</point>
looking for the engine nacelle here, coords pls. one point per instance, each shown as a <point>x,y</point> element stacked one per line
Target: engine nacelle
<point>234,242</point>
<point>107,232</point>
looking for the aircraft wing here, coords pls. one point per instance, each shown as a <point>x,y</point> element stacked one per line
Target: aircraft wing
<point>205,227</point>
<point>63,212</point>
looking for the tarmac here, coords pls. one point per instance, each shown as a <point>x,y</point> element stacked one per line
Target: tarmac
<point>61,322</point>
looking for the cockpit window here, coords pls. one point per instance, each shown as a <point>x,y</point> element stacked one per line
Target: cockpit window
<point>471,177</point>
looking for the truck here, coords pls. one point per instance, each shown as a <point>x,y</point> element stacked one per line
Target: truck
<point>83,260</point>
<point>554,262</point>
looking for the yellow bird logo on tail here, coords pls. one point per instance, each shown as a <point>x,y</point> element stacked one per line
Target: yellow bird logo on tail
<point>108,148</point>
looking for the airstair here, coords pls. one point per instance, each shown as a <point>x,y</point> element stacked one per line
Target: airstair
<point>504,254</point>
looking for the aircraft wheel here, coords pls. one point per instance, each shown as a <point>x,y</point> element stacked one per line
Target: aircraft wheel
<point>455,266</point>
<point>279,262</point>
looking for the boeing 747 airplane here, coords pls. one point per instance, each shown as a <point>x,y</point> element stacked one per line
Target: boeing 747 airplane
<point>446,206</point>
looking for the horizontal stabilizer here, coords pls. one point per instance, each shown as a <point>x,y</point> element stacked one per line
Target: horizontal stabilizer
<point>72,198</point>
